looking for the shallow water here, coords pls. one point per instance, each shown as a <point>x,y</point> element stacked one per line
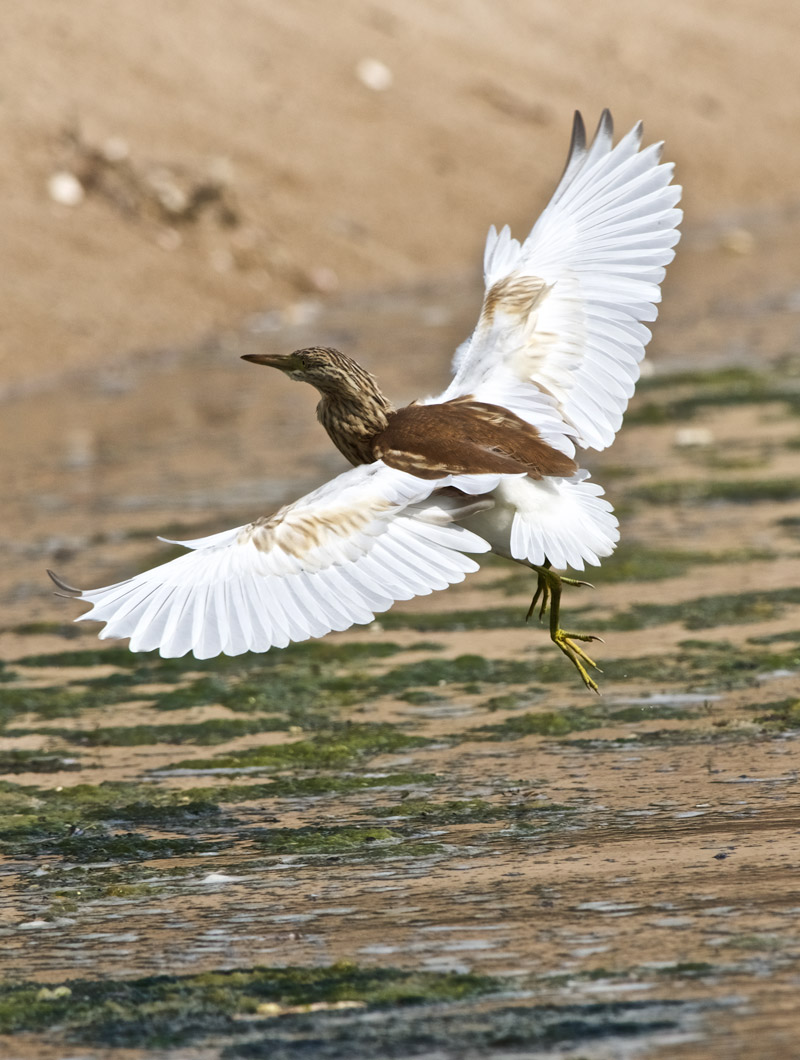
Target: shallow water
<point>534,871</point>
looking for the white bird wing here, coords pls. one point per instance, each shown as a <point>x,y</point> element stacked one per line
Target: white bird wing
<point>561,330</point>
<point>367,538</point>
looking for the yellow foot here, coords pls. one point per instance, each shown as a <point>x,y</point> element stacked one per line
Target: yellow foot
<point>548,590</point>
<point>577,656</point>
<point>543,591</point>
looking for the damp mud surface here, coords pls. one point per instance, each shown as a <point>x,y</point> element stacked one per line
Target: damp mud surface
<point>423,837</point>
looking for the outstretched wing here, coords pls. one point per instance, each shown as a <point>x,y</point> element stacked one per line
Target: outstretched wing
<point>351,548</point>
<point>561,329</point>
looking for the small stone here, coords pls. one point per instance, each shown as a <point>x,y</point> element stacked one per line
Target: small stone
<point>65,189</point>
<point>298,314</point>
<point>53,994</point>
<point>738,241</point>
<point>693,437</point>
<point>172,198</point>
<point>269,1008</point>
<point>374,74</point>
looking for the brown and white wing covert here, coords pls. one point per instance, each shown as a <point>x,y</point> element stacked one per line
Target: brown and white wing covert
<point>336,557</point>
<point>562,327</point>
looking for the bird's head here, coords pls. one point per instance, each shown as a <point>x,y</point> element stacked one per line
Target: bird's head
<point>327,369</point>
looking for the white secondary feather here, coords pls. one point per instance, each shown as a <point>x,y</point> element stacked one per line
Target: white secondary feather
<point>336,557</point>
<point>563,311</point>
<point>566,522</point>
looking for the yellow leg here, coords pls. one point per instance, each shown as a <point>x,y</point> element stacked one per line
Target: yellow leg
<point>548,589</point>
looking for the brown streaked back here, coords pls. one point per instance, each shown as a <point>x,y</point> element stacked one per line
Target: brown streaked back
<point>466,437</point>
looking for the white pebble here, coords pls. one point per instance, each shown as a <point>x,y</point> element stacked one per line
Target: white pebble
<point>688,437</point>
<point>65,189</point>
<point>374,74</point>
<point>738,241</point>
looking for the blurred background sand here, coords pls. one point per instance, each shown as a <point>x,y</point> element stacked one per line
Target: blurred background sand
<point>235,157</point>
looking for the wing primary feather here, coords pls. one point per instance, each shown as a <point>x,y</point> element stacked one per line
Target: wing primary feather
<point>150,627</point>
<point>575,155</point>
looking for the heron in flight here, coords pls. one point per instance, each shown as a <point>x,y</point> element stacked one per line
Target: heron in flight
<point>488,465</point>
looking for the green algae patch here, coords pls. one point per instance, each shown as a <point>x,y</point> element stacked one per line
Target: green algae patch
<point>697,665</point>
<point>31,815</point>
<point>334,840</point>
<point>688,970</point>
<point>456,621</point>
<point>791,635</point>
<point>55,702</point>
<point>715,490</point>
<point>705,612</point>
<point>631,562</point>
<point>679,970</point>
<point>297,678</point>
<point>153,668</point>
<point>203,733</point>
<point>646,712</point>
<point>783,716</point>
<point>98,655</point>
<point>339,746</point>
<point>454,811</point>
<point>682,737</point>
<point>36,762</point>
<point>295,686</point>
<point>67,630</point>
<point>635,562</point>
<point>712,666</point>
<point>563,722</point>
<point>319,784</point>
<point>76,818</point>
<point>463,670</point>
<point>545,723</point>
<point>419,697</point>
<point>129,846</point>
<point>164,1011</point>
<point>689,392</point>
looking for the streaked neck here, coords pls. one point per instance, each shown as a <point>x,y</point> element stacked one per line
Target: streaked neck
<point>353,411</point>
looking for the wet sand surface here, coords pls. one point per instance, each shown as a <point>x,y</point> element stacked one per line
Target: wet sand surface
<point>426,827</point>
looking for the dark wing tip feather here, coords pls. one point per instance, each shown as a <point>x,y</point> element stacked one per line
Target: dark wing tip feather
<point>577,151</point>
<point>606,124</point>
<point>67,591</point>
<point>578,141</point>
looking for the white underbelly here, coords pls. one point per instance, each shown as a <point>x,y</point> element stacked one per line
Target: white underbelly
<point>564,521</point>
<point>494,524</point>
